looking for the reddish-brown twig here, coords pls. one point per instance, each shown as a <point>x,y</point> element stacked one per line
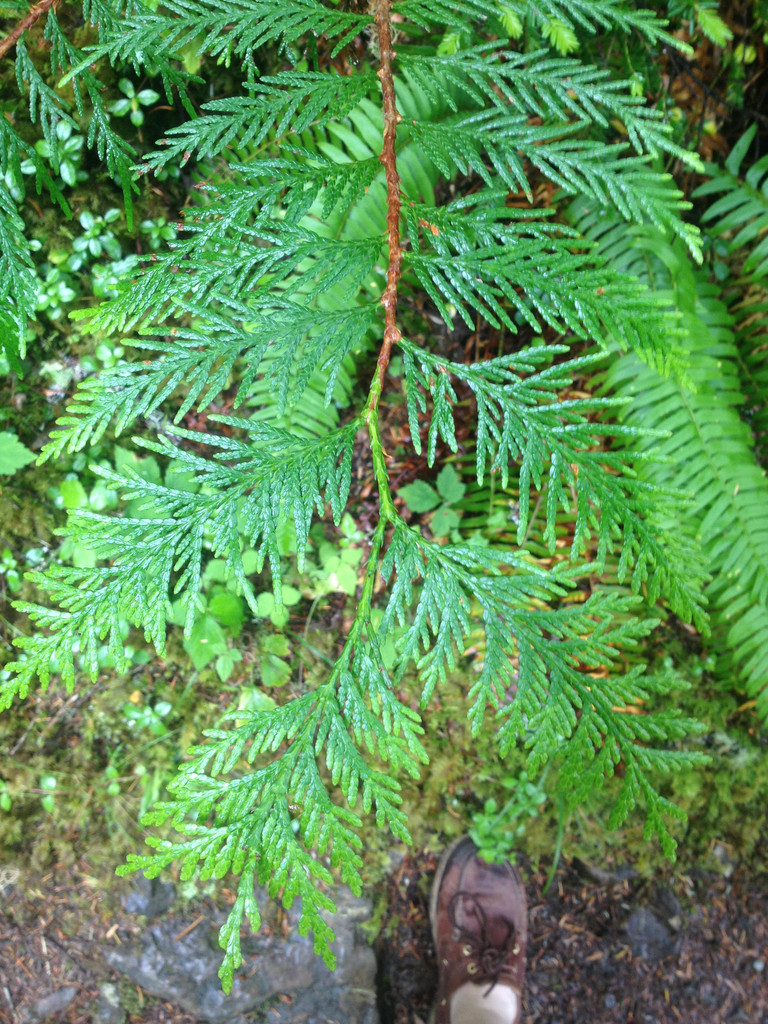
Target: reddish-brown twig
<point>35,12</point>
<point>381,11</point>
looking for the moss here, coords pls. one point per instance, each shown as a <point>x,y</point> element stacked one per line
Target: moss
<point>725,801</point>
<point>106,773</point>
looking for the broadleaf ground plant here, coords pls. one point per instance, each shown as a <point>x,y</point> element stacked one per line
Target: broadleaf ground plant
<point>297,257</point>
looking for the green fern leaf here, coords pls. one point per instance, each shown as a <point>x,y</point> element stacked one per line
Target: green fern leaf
<point>742,211</point>
<point>708,453</point>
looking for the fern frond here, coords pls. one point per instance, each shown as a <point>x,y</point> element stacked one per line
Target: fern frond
<point>709,455</point>
<point>742,210</point>
<point>741,214</point>
<point>750,313</point>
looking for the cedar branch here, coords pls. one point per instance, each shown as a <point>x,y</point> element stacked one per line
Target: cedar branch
<point>381,11</point>
<point>35,13</point>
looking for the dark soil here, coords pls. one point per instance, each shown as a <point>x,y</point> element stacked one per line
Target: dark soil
<point>51,938</point>
<point>605,946</point>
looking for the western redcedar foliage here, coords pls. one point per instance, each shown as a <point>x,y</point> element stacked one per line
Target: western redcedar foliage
<point>298,259</point>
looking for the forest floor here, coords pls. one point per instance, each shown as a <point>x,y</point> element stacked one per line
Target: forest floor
<point>605,945</point>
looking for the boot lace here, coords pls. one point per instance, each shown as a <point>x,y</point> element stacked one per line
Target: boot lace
<point>490,956</point>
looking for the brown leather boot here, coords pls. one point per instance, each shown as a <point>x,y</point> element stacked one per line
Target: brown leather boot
<point>479,923</point>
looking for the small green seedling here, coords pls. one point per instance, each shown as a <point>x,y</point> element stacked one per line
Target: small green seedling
<point>497,831</point>
<point>13,455</point>
<point>132,102</point>
<point>421,497</point>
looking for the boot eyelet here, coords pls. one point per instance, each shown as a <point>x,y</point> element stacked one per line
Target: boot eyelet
<point>471,968</point>
<point>516,949</point>
<point>455,935</point>
<point>466,950</point>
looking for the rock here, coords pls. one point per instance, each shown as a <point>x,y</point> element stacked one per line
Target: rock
<point>649,937</point>
<point>723,857</point>
<point>707,992</point>
<point>666,902</point>
<point>52,1005</point>
<point>9,877</point>
<point>108,1009</point>
<point>149,897</point>
<point>667,907</point>
<point>281,975</point>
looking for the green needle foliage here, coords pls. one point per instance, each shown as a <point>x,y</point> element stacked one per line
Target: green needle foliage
<point>296,261</point>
